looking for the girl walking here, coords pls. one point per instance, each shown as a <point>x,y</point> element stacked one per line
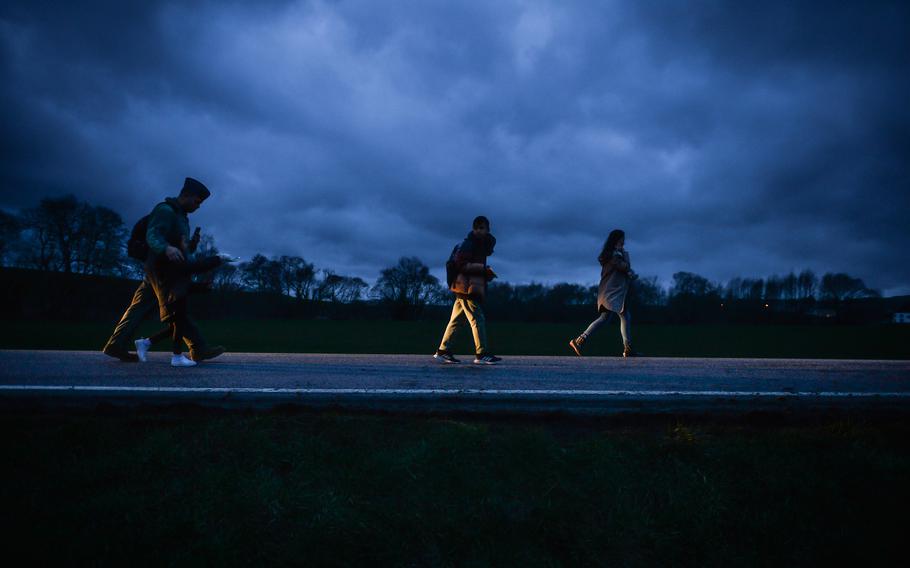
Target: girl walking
<point>616,276</point>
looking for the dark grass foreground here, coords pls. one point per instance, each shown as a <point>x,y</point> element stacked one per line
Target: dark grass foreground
<point>505,338</point>
<point>221,488</point>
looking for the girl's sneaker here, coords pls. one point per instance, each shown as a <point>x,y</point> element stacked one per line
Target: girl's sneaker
<point>182,361</point>
<point>142,348</point>
<point>486,359</point>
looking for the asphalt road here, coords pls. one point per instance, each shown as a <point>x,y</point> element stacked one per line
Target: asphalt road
<point>418,383</point>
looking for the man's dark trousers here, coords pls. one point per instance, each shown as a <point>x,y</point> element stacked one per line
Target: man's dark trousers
<point>144,301</point>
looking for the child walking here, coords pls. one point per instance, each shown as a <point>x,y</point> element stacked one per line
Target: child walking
<point>467,275</point>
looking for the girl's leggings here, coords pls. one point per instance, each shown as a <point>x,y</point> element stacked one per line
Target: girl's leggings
<point>625,324</point>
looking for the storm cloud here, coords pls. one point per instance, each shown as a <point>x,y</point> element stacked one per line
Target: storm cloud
<point>725,138</point>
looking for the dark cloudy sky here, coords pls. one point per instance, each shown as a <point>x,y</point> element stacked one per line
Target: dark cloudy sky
<point>726,138</point>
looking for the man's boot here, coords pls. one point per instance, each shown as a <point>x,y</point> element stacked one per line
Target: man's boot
<point>204,353</point>
<point>118,352</point>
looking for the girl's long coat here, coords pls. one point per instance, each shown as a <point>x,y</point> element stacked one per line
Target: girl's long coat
<point>614,284</point>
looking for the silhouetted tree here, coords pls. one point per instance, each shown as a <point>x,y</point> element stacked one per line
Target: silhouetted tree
<point>327,287</point>
<point>10,227</point>
<point>262,274</point>
<point>839,287</point>
<point>98,246</point>
<point>341,289</point>
<point>227,277</point>
<point>352,288</point>
<point>773,287</point>
<point>689,284</point>
<point>733,289</point>
<point>806,283</point>
<point>296,276</point>
<point>407,286</point>
<point>789,287</point>
<point>755,288</point>
<point>529,293</point>
<point>693,298</point>
<point>566,294</point>
<point>648,292</point>
<point>71,236</point>
<point>39,248</point>
<point>62,219</point>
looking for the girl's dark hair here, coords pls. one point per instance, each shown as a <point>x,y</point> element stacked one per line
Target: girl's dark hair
<point>606,254</point>
<point>480,221</point>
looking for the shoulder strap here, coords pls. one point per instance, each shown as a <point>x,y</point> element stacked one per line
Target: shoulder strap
<point>172,206</point>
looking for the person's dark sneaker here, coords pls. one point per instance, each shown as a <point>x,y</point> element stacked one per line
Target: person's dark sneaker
<point>576,344</point>
<point>120,353</point>
<point>199,355</point>
<point>486,359</point>
<point>629,352</point>
<point>445,357</point>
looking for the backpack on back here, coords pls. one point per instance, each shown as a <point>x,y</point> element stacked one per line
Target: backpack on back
<point>137,247</point>
<point>451,270</point>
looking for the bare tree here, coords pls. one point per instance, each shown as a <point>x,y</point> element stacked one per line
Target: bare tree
<point>752,288</point>
<point>262,274</point>
<point>689,284</point>
<point>789,287</point>
<point>352,289</point>
<point>565,294</point>
<point>733,289</point>
<point>10,228</point>
<point>408,286</point>
<point>327,288</point>
<point>840,287</point>
<point>39,248</point>
<point>62,218</point>
<point>99,241</point>
<point>529,293</point>
<point>297,277</point>
<point>72,236</point>
<point>806,284</point>
<point>206,246</point>
<point>773,287</point>
<point>649,292</point>
<point>226,278</point>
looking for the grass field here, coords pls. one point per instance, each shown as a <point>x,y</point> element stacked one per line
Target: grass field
<point>228,489</point>
<point>506,338</point>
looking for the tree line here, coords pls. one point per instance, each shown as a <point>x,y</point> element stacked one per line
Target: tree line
<point>68,235</point>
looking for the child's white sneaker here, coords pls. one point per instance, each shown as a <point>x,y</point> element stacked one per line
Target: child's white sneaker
<point>182,361</point>
<point>142,348</point>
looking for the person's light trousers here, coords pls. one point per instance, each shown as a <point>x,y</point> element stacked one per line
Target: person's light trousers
<point>466,309</point>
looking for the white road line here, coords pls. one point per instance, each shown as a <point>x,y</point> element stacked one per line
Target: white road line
<point>491,392</point>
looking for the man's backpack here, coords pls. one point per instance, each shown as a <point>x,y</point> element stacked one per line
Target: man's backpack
<point>137,247</point>
<point>451,269</point>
